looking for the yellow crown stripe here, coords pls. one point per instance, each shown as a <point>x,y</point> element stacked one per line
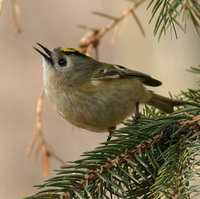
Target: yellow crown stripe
<point>69,50</point>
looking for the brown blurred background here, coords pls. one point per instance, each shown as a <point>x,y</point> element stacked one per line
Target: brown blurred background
<point>54,23</point>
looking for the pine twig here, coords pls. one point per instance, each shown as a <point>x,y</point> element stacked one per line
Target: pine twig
<point>90,42</point>
<point>91,178</point>
<point>193,124</point>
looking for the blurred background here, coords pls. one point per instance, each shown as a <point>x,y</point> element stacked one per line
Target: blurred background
<point>55,23</point>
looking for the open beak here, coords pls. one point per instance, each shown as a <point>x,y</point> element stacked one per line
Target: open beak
<point>46,56</point>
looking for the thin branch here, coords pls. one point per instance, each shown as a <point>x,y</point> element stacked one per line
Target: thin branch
<point>105,15</point>
<point>53,154</point>
<point>118,30</point>
<point>38,121</point>
<point>14,17</point>
<point>89,44</point>
<point>1,5</point>
<point>42,147</point>
<point>138,22</point>
<point>88,28</point>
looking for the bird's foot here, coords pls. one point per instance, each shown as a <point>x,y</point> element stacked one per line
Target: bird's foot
<point>137,115</point>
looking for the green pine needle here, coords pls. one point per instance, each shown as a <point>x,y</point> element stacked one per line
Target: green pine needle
<point>168,14</point>
<point>154,158</point>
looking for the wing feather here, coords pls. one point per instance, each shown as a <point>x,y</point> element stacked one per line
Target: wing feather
<point>117,71</point>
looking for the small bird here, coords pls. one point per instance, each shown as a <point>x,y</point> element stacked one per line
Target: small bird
<point>94,95</point>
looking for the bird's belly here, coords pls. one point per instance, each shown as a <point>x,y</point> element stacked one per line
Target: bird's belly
<point>97,110</point>
<point>100,117</point>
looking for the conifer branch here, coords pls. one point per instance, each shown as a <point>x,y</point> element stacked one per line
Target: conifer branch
<point>122,158</point>
<point>137,160</point>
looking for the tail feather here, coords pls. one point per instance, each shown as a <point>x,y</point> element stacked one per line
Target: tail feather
<point>164,103</point>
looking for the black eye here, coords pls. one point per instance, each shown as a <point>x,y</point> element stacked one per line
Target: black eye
<point>62,62</point>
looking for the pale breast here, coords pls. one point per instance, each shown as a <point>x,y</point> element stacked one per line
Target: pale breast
<point>100,105</point>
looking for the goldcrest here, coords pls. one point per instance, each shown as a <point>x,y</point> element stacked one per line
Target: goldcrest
<point>94,95</point>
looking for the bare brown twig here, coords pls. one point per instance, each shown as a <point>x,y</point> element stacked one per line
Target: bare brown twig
<point>42,146</point>
<point>1,5</point>
<point>14,15</point>
<point>90,42</point>
<point>38,122</point>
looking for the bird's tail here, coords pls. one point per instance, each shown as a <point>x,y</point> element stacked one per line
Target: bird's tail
<point>164,103</point>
